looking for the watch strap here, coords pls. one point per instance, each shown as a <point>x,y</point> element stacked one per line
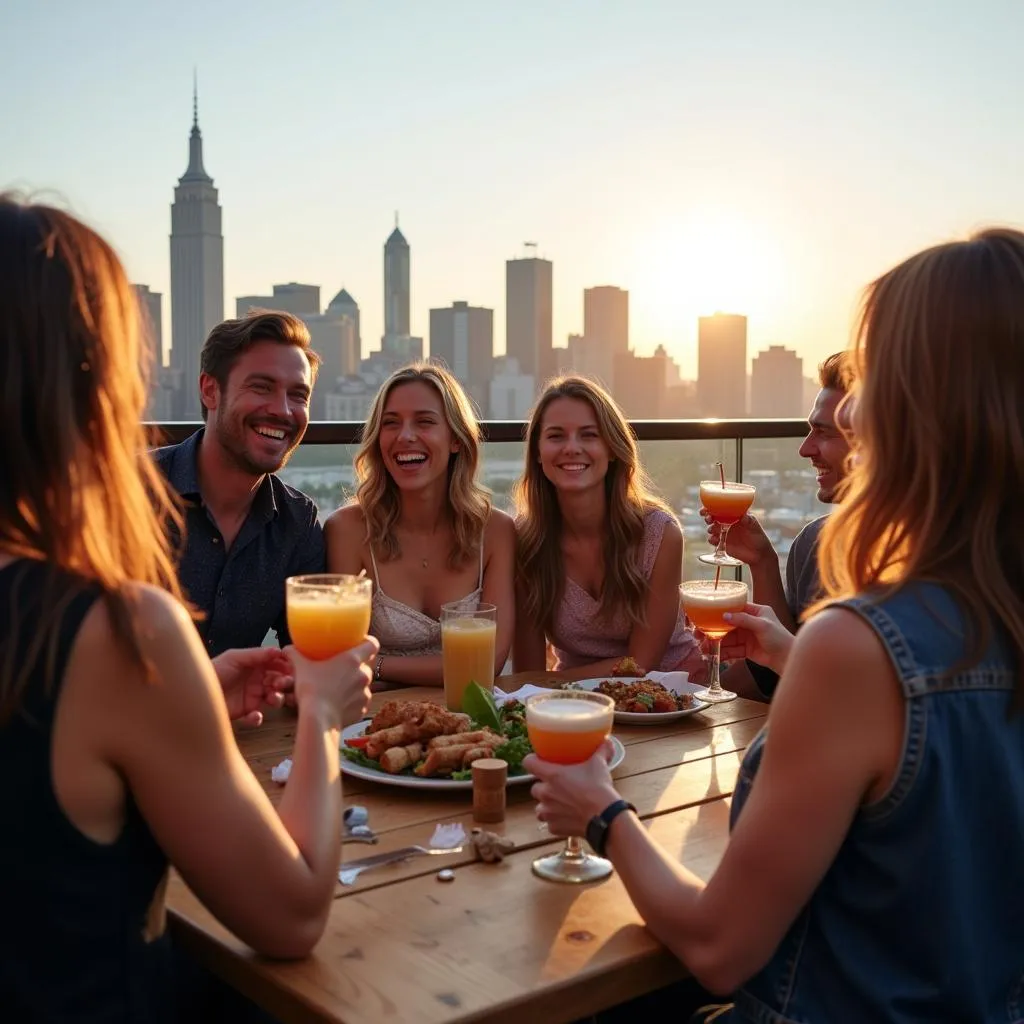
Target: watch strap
<point>597,828</point>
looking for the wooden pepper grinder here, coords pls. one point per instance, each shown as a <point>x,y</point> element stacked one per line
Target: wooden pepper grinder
<point>490,775</point>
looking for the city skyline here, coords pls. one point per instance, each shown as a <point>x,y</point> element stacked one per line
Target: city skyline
<point>768,163</point>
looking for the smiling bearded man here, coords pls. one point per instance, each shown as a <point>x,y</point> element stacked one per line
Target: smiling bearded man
<point>246,531</point>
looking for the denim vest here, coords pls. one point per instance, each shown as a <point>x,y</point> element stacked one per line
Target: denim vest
<point>920,918</point>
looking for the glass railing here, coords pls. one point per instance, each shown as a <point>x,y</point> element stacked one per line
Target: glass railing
<point>677,454</point>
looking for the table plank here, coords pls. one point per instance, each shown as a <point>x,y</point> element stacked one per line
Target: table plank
<point>498,944</point>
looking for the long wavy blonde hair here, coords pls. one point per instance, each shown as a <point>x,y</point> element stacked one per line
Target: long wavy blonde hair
<point>77,489</point>
<point>540,568</point>
<point>936,489</point>
<point>377,493</point>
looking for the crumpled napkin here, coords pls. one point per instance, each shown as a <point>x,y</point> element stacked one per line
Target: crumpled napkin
<point>279,773</point>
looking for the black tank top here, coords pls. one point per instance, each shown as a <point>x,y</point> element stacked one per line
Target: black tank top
<point>73,912</point>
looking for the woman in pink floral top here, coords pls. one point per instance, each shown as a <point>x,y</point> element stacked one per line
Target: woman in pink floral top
<point>599,556</point>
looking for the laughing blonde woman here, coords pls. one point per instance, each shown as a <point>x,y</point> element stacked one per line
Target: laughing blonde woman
<point>422,525</point>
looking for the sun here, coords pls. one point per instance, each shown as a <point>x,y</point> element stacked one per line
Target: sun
<point>703,262</point>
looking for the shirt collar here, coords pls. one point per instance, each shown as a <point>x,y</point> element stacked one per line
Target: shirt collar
<point>184,478</point>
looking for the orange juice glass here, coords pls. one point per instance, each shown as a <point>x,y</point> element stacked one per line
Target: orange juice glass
<point>727,503</point>
<point>568,727</point>
<point>705,604</point>
<point>467,649</point>
<point>327,613</point>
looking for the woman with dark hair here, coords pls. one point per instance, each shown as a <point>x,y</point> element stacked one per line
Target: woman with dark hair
<point>114,733</point>
<point>874,867</point>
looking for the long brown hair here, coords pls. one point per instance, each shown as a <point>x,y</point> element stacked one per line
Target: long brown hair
<point>937,482</point>
<point>540,568</point>
<point>77,489</point>
<point>378,495</point>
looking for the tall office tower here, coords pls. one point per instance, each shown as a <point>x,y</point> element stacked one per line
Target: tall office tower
<point>605,330</point>
<point>777,383</point>
<point>722,366</point>
<point>397,346</point>
<point>151,306</point>
<point>300,300</point>
<point>396,284</point>
<point>528,316</point>
<point>462,338</point>
<point>197,268</point>
<point>334,335</point>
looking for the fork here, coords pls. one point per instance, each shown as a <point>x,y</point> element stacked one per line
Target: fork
<point>351,870</point>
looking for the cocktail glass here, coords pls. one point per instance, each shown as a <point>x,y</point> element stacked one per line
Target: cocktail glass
<point>705,604</point>
<point>727,503</point>
<point>327,613</point>
<point>467,649</point>
<point>568,727</point>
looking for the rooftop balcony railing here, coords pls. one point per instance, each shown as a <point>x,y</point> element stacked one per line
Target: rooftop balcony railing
<point>677,455</point>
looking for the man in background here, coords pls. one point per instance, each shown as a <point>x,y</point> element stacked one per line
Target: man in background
<point>246,530</point>
<point>826,447</point>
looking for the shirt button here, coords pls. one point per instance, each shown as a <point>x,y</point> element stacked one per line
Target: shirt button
<point>216,540</point>
<point>220,593</point>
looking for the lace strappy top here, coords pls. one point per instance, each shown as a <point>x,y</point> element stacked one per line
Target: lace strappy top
<point>580,637</point>
<point>404,631</point>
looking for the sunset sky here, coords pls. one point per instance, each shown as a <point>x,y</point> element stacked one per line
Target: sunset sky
<point>763,156</point>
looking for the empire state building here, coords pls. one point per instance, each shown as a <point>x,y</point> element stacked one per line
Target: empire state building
<point>197,269</point>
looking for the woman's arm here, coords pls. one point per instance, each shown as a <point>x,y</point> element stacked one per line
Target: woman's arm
<point>269,876</point>
<point>835,734</point>
<point>345,539</point>
<point>529,651</point>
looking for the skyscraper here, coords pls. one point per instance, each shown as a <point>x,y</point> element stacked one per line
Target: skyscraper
<point>777,383</point>
<point>722,366</point>
<point>605,334</point>
<point>528,315</point>
<point>462,338</point>
<point>300,300</point>
<point>396,284</point>
<point>197,268</point>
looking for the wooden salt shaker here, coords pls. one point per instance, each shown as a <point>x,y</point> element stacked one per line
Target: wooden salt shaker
<point>489,777</point>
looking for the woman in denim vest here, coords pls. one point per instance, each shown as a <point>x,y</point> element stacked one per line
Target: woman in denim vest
<point>875,867</point>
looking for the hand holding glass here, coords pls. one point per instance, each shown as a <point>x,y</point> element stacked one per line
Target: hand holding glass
<point>727,504</point>
<point>705,603</point>
<point>569,727</point>
<point>327,613</point>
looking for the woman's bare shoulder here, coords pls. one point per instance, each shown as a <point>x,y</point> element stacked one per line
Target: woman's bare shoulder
<point>345,520</point>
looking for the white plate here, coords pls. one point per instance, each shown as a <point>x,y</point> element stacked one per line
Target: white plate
<point>361,771</point>
<point>677,682</point>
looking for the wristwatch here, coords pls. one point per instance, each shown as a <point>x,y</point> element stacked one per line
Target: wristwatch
<point>597,827</point>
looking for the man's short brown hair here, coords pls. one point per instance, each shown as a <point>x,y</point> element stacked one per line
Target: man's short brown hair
<point>834,373</point>
<point>231,338</point>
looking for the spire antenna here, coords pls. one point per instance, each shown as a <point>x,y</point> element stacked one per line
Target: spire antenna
<point>195,98</point>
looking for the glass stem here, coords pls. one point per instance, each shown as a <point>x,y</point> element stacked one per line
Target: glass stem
<point>720,550</point>
<point>573,848</point>
<point>714,657</point>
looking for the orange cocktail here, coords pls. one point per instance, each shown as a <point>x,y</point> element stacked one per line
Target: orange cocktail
<point>568,731</point>
<point>727,504</point>
<point>467,650</point>
<point>705,602</point>
<point>569,727</point>
<point>327,613</point>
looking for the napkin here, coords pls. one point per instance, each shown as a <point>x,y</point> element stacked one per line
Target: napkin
<point>279,773</point>
<point>521,694</point>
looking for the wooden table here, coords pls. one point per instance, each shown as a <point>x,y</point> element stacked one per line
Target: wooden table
<point>498,943</point>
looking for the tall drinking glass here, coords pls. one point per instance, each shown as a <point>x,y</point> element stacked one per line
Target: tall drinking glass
<point>705,604</point>
<point>727,503</point>
<point>568,727</point>
<point>327,613</point>
<point>467,649</point>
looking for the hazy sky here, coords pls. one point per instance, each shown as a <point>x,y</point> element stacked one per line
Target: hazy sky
<point>764,156</point>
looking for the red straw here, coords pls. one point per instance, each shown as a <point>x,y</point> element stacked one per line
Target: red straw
<point>721,473</point>
<point>718,572</point>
